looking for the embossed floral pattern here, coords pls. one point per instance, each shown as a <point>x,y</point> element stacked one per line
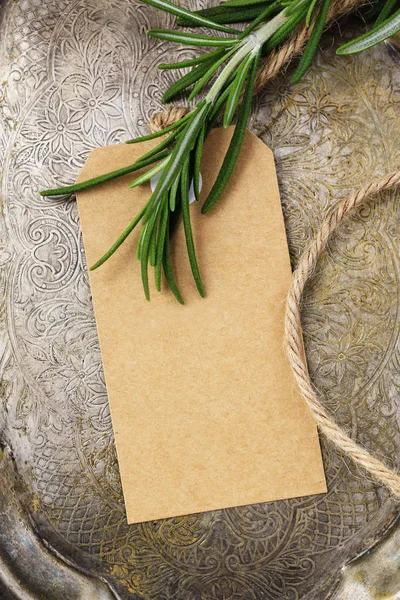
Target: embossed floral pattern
<point>74,368</point>
<point>94,104</point>
<point>342,356</point>
<point>323,111</point>
<point>61,126</point>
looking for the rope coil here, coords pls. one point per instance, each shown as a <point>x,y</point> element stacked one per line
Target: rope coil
<point>294,337</point>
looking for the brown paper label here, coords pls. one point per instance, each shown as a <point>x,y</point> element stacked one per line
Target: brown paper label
<point>205,410</point>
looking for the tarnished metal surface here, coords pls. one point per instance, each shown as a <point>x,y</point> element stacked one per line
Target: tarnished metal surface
<point>81,73</point>
<point>375,575</point>
<point>29,570</point>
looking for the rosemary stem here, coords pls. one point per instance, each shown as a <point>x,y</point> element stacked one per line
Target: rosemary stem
<point>268,29</point>
<point>84,185</point>
<point>251,44</point>
<point>244,49</point>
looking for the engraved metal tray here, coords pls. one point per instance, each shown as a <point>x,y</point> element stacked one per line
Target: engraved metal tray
<point>82,73</point>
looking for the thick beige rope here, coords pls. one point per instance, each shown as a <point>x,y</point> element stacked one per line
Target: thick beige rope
<point>293,331</point>
<point>294,339</point>
<point>170,115</point>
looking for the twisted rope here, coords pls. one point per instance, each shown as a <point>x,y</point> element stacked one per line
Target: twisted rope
<point>170,115</point>
<point>293,331</point>
<point>294,338</point>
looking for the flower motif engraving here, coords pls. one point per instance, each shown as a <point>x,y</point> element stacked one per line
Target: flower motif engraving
<point>61,126</point>
<point>323,111</point>
<point>93,103</point>
<point>73,368</point>
<point>342,356</point>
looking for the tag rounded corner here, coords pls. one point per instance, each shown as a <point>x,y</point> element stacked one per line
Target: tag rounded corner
<point>266,148</point>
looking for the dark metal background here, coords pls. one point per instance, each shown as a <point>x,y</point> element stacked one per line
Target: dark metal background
<point>81,73</point>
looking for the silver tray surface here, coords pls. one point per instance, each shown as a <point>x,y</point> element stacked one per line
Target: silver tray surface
<point>82,73</point>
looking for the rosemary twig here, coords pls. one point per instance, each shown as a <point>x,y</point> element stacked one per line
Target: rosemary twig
<point>229,73</point>
<point>89,183</point>
<point>314,39</point>
<point>380,32</point>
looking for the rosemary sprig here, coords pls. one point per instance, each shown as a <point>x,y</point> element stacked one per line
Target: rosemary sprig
<point>380,32</point>
<point>191,17</point>
<point>225,14</point>
<point>314,38</point>
<point>229,71</point>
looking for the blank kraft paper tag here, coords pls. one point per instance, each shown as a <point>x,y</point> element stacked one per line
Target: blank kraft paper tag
<point>205,410</point>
